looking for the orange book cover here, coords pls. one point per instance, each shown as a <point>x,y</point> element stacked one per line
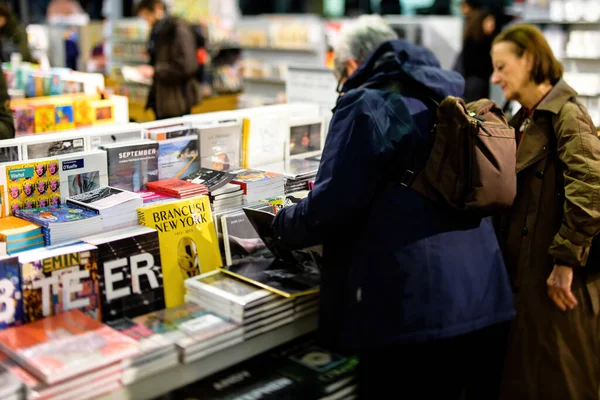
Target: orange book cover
<point>60,347</point>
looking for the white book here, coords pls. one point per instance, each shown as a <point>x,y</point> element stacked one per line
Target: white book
<point>100,136</point>
<point>82,172</point>
<point>52,145</point>
<point>220,144</point>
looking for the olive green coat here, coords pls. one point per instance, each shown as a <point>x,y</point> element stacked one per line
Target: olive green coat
<point>554,354</point>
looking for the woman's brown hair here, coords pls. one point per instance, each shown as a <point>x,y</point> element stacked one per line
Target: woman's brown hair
<point>528,38</point>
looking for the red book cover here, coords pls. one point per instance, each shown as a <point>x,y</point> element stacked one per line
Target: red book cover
<point>66,345</point>
<point>177,187</point>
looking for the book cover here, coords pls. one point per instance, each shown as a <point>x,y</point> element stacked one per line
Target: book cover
<point>66,345</point>
<point>240,239</point>
<point>170,132</point>
<point>100,136</point>
<point>82,173</point>
<point>212,179</point>
<point>60,214</point>
<point>44,118</point>
<point>32,185</point>
<point>52,146</point>
<point>132,165</point>
<point>11,297</point>
<point>188,242</point>
<point>226,287</point>
<point>63,116</point>
<point>220,146</point>
<point>287,280</point>
<point>24,116</point>
<point>131,276</point>
<point>148,340</point>
<point>102,198</point>
<point>10,150</point>
<point>82,111</point>
<point>60,280</point>
<point>103,112</point>
<point>178,157</point>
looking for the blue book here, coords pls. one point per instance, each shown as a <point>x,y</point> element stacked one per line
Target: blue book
<point>11,296</point>
<point>49,216</point>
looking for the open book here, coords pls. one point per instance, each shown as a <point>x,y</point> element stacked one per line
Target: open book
<point>290,273</point>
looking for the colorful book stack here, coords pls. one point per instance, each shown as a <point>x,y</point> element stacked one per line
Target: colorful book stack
<point>196,331</point>
<point>178,188</point>
<point>258,185</point>
<point>17,235</point>
<point>156,353</point>
<point>83,347</point>
<point>64,223</point>
<point>117,207</point>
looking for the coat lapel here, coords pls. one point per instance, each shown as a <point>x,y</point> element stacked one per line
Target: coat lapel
<point>534,146</point>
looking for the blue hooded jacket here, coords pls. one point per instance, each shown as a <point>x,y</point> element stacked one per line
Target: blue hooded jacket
<point>397,268</point>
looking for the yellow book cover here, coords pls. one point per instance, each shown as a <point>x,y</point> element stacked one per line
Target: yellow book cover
<point>32,184</point>
<point>245,139</point>
<point>82,108</point>
<point>44,118</point>
<point>188,242</point>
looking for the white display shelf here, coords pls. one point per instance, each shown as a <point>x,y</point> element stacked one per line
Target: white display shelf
<point>182,375</point>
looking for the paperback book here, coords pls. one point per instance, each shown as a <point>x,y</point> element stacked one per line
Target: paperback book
<point>59,280</point>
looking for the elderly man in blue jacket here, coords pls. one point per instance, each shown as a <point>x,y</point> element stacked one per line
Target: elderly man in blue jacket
<point>421,294</point>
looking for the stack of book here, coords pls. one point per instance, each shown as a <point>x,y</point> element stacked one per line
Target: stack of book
<point>10,385</point>
<point>117,207</point>
<point>257,310</point>
<point>177,188</point>
<point>63,223</point>
<point>156,353</point>
<point>152,197</point>
<point>196,331</point>
<point>298,172</point>
<point>17,235</point>
<point>223,194</point>
<point>83,348</point>
<point>258,185</point>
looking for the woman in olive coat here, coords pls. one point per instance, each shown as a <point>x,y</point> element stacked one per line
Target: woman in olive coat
<point>555,346</point>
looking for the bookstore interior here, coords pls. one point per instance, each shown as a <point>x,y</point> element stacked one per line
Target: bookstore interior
<point>136,257</point>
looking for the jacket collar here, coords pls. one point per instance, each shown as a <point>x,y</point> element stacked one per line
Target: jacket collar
<point>557,98</point>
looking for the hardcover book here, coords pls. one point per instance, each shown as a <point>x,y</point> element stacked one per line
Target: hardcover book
<point>58,280</point>
<point>188,242</point>
<point>82,173</point>
<point>11,297</point>
<point>32,185</point>
<point>178,157</point>
<point>220,146</point>
<point>131,276</point>
<point>132,165</point>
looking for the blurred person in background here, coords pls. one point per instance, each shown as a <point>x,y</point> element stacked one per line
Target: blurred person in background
<point>13,36</point>
<point>484,19</point>
<point>404,280</point>
<point>173,62</point>
<point>554,352</point>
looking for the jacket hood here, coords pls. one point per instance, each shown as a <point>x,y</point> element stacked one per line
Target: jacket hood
<point>404,61</point>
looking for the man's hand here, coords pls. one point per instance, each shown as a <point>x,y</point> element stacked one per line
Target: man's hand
<point>146,71</point>
<point>559,287</point>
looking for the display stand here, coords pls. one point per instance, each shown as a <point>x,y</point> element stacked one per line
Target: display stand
<point>182,375</point>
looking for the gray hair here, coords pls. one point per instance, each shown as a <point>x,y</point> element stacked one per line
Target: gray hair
<point>359,39</point>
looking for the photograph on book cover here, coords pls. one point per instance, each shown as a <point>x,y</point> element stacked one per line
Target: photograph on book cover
<point>178,157</point>
<point>84,182</point>
<point>305,138</point>
<point>54,148</point>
